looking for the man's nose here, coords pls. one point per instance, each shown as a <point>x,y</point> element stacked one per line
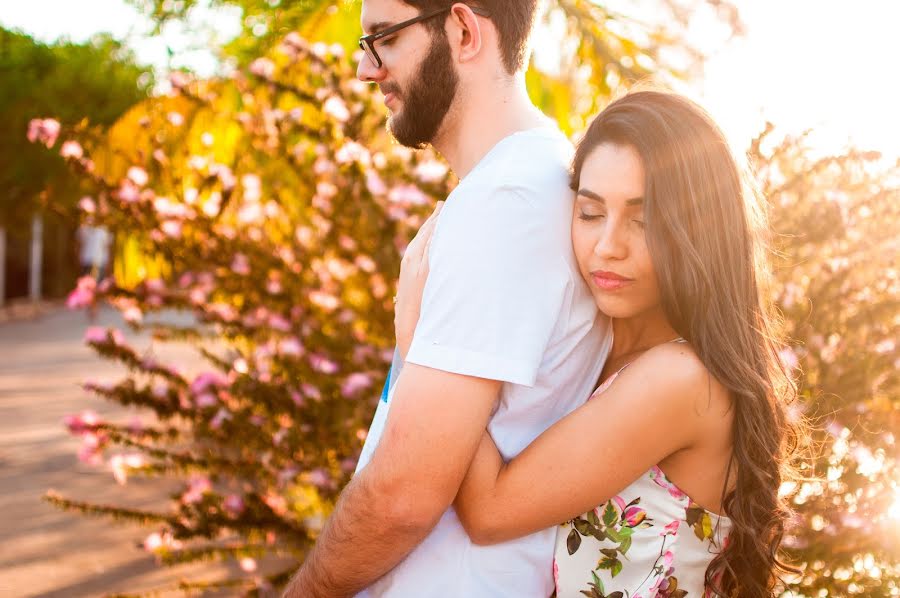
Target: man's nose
<point>366,70</point>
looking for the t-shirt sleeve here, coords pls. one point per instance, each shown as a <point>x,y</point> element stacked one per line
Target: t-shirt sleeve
<point>496,286</point>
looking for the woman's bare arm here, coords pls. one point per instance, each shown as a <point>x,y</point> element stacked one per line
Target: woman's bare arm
<point>648,413</point>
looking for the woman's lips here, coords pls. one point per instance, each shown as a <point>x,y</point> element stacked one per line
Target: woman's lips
<point>610,281</point>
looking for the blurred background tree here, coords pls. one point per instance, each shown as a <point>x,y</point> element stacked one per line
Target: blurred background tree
<point>95,82</point>
<point>273,205</point>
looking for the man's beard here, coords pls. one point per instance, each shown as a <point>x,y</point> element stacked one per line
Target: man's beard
<point>428,98</point>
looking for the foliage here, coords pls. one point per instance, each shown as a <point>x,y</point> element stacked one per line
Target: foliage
<point>96,81</point>
<point>603,49</point>
<point>281,233</point>
<point>836,219</point>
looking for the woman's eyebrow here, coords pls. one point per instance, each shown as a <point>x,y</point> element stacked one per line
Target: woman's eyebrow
<point>634,201</point>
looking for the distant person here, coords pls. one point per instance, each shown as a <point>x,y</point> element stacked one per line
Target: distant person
<point>94,241</point>
<point>93,254</point>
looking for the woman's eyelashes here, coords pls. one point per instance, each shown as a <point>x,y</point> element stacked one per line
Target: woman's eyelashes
<point>588,217</point>
<point>582,215</point>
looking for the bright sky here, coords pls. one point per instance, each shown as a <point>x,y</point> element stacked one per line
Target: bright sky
<point>827,65</point>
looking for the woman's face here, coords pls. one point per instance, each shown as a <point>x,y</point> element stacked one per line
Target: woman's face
<point>608,232</point>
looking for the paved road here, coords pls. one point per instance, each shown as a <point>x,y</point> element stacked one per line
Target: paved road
<point>43,551</point>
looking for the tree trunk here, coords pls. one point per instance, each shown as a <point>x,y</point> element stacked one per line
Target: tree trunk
<point>37,248</point>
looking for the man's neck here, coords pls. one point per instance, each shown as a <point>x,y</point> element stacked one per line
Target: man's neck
<point>480,120</point>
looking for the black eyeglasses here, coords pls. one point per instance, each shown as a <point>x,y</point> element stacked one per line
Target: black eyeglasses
<point>367,42</point>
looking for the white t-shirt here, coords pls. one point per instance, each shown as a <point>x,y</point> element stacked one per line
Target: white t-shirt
<point>504,300</point>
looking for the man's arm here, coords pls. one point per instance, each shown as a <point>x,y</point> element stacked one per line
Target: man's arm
<point>433,429</point>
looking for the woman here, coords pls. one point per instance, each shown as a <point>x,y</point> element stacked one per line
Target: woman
<point>683,445</point>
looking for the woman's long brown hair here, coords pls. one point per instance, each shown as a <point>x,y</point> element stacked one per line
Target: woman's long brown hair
<point>704,229</point>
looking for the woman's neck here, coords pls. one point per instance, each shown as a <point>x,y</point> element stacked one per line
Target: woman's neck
<point>632,336</point>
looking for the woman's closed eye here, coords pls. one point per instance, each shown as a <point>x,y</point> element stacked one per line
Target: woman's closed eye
<point>582,215</point>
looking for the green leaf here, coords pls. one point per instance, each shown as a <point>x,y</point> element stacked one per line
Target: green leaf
<point>610,552</point>
<point>592,518</point>
<point>625,544</point>
<point>609,514</point>
<point>614,534</point>
<point>617,567</point>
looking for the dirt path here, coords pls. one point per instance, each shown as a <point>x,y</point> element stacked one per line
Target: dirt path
<point>45,551</point>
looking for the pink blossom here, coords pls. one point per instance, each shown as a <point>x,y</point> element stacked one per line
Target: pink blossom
<point>83,294</point>
<point>408,194</point>
<point>205,400</point>
<point>240,264</point>
<point>117,337</point>
<point>197,487</point>
<point>71,149</point>
<point>290,346</point>
<point>276,502</point>
<point>325,301</point>
<point>318,477</point>
<point>252,187</point>
<point>263,67</point>
<point>374,183</point>
<point>311,391</point>
<point>352,151</point>
<point>280,323</point>
<point>219,418</point>
<point>86,204</point>
<point>323,364</point>
<point>671,529</point>
<point>172,228</point>
<point>206,380</point>
<point>336,109</point>
<point>96,335</point>
<point>91,451</point>
<point>133,314</point>
<point>128,192</point>
<point>633,516</point>
<point>179,79</point>
<point>247,564</point>
<point>120,464</point>
<point>160,389</point>
<point>138,176</point>
<point>355,382</point>
<point>297,398</point>
<point>82,422</point>
<point>789,358</point>
<point>175,118</point>
<point>233,505</point>
<point>273,285</point>
<point>156,541</point>
<point>45,131</point>
<point>430,171</point>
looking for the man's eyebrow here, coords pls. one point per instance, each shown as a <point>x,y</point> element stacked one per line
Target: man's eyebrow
<point>634,201</point>
<point>377,26</point>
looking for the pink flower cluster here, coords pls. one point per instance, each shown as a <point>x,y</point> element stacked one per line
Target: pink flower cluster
<point>43,130</point>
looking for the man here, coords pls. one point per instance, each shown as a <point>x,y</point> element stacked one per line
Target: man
<point>506,336</point>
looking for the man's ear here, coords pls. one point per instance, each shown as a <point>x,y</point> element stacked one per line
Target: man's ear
<point>464,31</point>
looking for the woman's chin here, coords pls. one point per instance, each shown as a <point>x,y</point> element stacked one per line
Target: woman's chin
<point>617,307</point>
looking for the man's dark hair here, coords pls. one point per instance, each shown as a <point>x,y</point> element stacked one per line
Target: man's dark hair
<point>514,20</point>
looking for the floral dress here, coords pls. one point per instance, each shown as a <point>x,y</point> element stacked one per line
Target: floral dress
<point>649,541</point>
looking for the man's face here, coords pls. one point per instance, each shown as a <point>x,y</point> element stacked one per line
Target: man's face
<point>417,76</point>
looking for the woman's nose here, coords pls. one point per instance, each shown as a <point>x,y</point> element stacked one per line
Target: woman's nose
<point>612,243</point>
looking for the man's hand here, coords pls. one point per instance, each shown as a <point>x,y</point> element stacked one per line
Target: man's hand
<point>413,274</point>
<point>433,429</point>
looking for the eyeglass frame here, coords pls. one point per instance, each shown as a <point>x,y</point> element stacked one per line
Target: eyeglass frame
<point>367,42</point>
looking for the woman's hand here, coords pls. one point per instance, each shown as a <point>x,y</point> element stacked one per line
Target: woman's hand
<point>413,274</point>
